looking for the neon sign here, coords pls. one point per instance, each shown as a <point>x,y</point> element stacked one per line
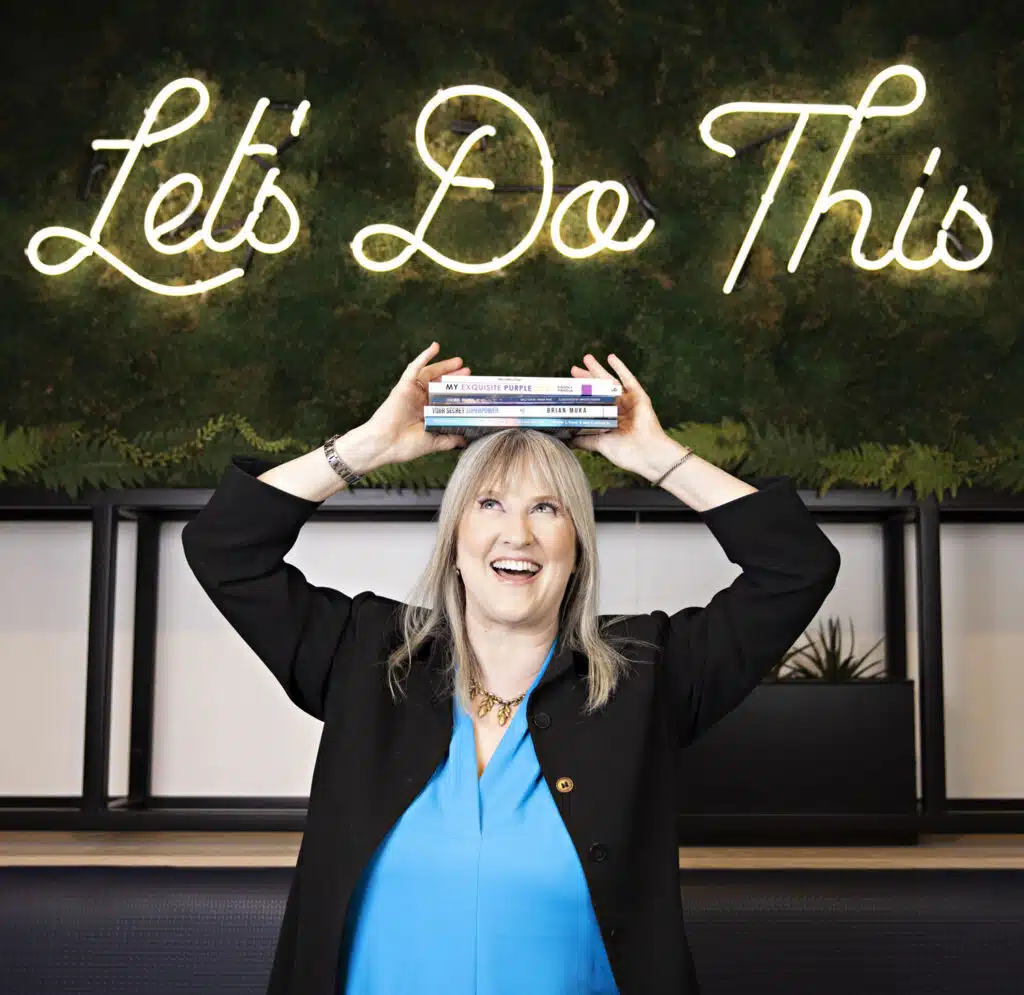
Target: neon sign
<point>827,199</point>
<point>602,237</point>
<point>146,137</point>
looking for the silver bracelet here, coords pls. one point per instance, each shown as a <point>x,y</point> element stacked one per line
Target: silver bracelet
<point>689,453</point>
<point>338,465</point>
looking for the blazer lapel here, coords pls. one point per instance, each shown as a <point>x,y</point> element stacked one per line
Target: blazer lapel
<point>563,659</point>
<point>430,690</point>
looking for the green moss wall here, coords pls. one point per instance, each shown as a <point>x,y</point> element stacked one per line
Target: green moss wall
<point>308,342</point>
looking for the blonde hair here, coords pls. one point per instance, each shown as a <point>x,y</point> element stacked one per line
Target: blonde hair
<point>439,595</point>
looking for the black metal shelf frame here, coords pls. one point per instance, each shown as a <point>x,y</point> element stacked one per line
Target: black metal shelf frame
<point>139,810</point>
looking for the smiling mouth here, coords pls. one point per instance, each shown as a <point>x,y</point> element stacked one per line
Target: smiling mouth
<point>515,576</point>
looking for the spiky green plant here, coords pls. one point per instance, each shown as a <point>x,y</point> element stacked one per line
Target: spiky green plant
<point>827,659</point>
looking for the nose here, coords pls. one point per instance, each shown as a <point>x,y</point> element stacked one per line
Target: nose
<point>517,529</point>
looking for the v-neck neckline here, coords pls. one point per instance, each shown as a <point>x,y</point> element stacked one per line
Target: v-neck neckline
<point>501,747</point>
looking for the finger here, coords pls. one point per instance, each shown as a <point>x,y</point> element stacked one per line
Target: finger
<point>444,368</point>
<point>628,380</point>
<point>582,442</point>
<point>445,443</point>
<point>425,378</point>
<point>413,369</point>
<point>596,368</point>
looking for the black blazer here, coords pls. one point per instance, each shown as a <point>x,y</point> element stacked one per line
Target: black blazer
<point>376,755</point>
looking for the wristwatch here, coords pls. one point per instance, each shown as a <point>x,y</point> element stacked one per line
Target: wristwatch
<point>340,467</point>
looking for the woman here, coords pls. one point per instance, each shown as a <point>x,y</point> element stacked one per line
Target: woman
<point>492,806</point>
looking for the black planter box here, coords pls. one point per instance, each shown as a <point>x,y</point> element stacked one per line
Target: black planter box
<point>806,748</point>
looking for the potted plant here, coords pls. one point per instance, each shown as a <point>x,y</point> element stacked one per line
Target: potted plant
<point>827,733</point>
<point>828,662</point>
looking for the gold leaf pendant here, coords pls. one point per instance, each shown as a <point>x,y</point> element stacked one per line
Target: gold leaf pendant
<point>490,700</point>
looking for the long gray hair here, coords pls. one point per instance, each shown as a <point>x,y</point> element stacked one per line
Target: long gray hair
<point>436,607</point>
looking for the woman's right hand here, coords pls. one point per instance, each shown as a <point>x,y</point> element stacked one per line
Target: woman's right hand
<point>397,425</point>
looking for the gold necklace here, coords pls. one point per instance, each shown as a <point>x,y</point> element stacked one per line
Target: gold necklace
<point>490,700</point>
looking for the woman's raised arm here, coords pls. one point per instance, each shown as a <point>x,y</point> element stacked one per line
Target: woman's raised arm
<point>236,548</point>
<point>312,478</point>
<point>236,545</point>
<point>714,656</point>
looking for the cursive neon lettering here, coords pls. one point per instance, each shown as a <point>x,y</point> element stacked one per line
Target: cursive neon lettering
<point>146,137</point>
<point>153,231</point>
<point>827,198</point>
<point>603,238</point>
<point>415,241</point>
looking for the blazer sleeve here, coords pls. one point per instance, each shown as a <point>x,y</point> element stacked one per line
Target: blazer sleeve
<point>236,546</point>
<point>713,657</point>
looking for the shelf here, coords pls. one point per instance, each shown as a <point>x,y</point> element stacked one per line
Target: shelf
<point>240,849</point>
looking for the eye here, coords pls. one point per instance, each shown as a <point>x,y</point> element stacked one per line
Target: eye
<point>484,504</point>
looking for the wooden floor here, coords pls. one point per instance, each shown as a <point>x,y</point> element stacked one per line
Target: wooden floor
<point>280,850</point>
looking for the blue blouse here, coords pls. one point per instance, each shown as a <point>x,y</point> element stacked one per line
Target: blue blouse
<point>477,889</point>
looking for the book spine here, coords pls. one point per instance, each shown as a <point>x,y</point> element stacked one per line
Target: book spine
<point>526,385</point>
<point>478,431</point>
<point>520,411</point>
<point>438,422</point>
<point>515,378</point>
<point>505,399</point>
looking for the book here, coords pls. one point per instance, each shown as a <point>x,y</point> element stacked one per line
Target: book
<point>560,406</point>
<point>470,432</point>
<point>572,411</point>
<point>597,400</point>
<point>585,386</point>
<point>541,423</point>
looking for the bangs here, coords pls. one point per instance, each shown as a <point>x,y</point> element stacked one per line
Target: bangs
<point>516,457</point>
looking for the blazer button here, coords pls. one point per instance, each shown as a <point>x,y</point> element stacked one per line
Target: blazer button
<point>564,785</point>
<point>542,720</point>
<point>597,852</point>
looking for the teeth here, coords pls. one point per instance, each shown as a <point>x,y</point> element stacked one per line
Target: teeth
<point>515,566</point>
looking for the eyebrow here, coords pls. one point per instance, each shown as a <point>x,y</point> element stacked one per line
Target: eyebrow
<point>541,497</point>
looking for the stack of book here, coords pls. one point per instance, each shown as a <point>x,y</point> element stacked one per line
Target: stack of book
<point>561,406</point>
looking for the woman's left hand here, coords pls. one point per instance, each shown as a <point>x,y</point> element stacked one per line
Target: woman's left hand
<point>639,436</point>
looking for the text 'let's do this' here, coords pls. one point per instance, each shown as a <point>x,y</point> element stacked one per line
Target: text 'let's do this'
<point>603,235</point>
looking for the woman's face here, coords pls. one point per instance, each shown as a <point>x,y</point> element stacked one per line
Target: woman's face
<point>523,527</point>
